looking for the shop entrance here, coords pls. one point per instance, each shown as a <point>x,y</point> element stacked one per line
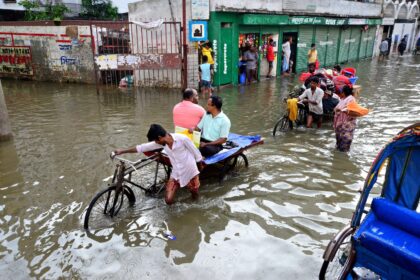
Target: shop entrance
<point>264,65</point>
<point>293,47</point>
<point>246,40</point>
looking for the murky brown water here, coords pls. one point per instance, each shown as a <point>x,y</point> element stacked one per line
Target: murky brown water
<point>271,222</point>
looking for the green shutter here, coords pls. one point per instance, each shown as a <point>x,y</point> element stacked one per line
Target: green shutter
<point>333,36</point>
<point>321,38</point>
<point>343,55</point>
<point>304,44</point>
<point>354,44</point>
<point>363,44</point>
<point>371,42</point>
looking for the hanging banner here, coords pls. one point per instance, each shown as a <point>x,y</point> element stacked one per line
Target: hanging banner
<point>16,61</point>
<point>200,9</point>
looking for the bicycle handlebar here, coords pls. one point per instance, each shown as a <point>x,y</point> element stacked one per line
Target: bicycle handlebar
<point>113,156</point>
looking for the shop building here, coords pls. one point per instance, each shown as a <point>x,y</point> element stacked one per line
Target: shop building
<point>400,19</point>
<point>338,40</point>
<point>342,30</point>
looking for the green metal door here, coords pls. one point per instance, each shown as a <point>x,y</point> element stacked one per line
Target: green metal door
<point>304,44</point>
<point>343,53</point>
<point>354,43</point>
<point>332,46</point>
<point>226,69</point>
<point>371,41</point>
<point>321,39</point>
<point>363,44</point>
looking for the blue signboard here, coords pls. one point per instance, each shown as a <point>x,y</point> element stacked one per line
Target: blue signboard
<point>197,31</point>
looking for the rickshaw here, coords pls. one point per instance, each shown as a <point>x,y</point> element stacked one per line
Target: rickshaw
<point>150,174</point>
<point>382,240</point>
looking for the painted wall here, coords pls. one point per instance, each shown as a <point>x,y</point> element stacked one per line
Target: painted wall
<point>54,55</point>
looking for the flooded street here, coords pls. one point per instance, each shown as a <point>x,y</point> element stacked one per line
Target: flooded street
<point>272,221</point>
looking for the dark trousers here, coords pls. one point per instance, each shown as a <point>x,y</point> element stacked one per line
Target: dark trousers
<point>209,150</point>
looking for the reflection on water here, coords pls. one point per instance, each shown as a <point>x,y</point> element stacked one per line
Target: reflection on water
<point>273,219</point>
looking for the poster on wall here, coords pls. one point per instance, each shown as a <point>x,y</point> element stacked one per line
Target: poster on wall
<point>197,31</point>
<point>200,9</point>
<point>16,60</point>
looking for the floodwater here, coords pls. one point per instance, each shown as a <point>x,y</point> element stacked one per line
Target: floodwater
<point>272,221</point>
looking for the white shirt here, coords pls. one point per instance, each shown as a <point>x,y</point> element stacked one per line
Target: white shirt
<point>286,49</point>
<point>384,46</point>
<point>183,157</point>
<point>317,97</point>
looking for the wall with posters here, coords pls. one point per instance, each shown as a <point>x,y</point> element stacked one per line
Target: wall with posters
<point>46,53</point>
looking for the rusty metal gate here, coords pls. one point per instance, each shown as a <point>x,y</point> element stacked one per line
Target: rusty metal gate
<point>130,54</point>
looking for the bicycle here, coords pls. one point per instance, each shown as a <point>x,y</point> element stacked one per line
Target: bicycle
<point>284,124</point>
<point>109,202</point>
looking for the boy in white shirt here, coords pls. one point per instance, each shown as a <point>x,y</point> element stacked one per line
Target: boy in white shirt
<point>313,96</point>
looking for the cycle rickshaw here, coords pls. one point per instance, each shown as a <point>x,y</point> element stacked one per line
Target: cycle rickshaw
<point>383,240</point>
<point>154,171</point>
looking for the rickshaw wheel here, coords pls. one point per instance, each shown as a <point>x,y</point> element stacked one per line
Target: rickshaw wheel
<point>235,164</point>
<point>336,268</point>
<point>106,205</point>
<point>283,125</point>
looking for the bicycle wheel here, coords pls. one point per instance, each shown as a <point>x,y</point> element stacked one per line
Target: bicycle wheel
<point>335,268</point>
<point>283,125</point>
<point>301,119</point>
<point>106,205</point>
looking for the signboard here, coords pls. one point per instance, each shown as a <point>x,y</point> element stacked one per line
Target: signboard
<point>255,19</point>
<point>200,9</point>
<point>197,31</point>
<point>16,60</point>
<point>388,21</point>
<point>301,20</point>
<point>357,21</point>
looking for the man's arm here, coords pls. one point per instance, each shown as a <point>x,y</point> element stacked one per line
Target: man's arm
<point>190,147</point>
<point>219,141</point>
<point>125,151</point>
<point>302,96</point>
<point>151,146</point>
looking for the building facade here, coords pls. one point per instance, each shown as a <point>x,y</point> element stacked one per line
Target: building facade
<point>342,30</point>
<point>400,19</point>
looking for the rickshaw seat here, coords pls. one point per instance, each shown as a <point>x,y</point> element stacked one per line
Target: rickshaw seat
<point>393,233</point>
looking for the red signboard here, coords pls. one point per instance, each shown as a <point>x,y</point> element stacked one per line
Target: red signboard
<point>16,61</point>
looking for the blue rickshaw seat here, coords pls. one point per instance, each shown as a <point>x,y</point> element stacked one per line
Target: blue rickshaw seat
<point>393,233</point>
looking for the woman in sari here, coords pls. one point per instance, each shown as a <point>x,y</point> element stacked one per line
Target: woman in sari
<point>344,125</point>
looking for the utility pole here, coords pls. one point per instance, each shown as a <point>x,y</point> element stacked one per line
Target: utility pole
<point>5,130</point>
<point>184,44</point>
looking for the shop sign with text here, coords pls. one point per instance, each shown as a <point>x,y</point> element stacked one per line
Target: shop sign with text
<point>16,61</point>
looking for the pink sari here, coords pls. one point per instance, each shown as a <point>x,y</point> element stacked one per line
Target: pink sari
<point>344,125</point>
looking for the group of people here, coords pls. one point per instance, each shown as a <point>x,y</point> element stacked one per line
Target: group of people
<point>186,159</point>
<point>330,92</point>
<point>385,47</point>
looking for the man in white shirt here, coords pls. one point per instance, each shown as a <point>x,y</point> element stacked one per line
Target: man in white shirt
<point>286,55</point>
<point>313,96</point>
<point>383,49</point>
<point>183,155</point>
